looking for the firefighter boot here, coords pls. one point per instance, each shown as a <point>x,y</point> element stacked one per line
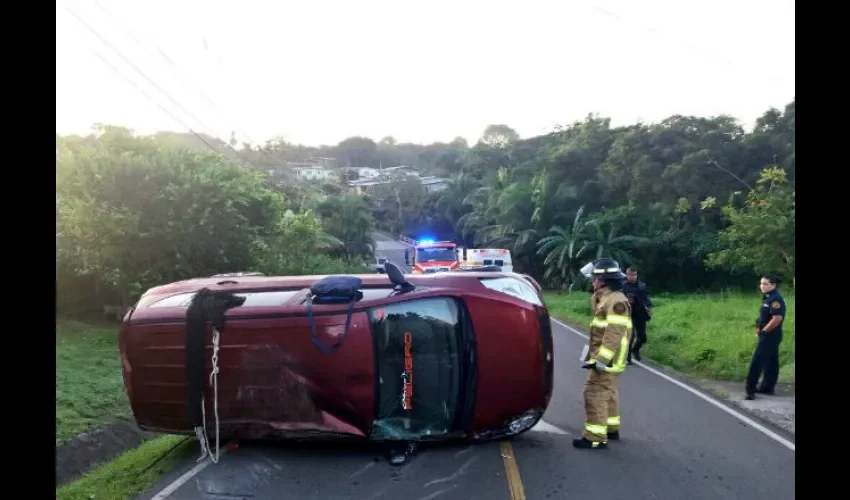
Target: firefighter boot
<point>599,389</point>
<point>585,443</point>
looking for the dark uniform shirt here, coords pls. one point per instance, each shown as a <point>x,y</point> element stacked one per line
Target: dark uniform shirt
<point>772,304</point>
<point>638,295</point>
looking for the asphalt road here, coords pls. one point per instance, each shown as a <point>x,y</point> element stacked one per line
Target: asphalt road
<point>391,249</point>
<point>675,445</point>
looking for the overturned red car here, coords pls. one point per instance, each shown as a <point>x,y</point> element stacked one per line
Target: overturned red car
<point>456,355</point>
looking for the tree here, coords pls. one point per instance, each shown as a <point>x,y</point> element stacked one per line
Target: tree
<point>349,219</point>
<point>761,234</point>
<point>399,201</point>
<point>564,247</point>
<point>499,136</point>
<point>144,215</point>
<point>291,249</point>
<point>357,152</point>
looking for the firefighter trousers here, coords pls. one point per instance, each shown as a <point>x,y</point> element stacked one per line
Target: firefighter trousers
<point>601,405</point>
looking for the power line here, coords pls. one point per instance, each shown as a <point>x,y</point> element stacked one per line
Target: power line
<point>693,48</point>
<point>136,68</point>
<point>178,120</point>
<point>147,95</point>
<point>106,42</point>
<point>143,92</point>
<point>165,56</point>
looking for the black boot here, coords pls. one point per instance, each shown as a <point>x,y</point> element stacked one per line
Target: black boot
<point>637,355</point>
<point>615,435</point>
<point>585,443</point>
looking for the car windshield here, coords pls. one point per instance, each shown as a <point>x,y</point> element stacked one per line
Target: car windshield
<point>417,346</point>
<point>429,254</point>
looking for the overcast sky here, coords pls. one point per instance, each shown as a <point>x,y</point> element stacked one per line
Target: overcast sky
<point>318,71</point>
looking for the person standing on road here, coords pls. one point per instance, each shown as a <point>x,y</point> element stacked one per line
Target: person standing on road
<point>639,298</point>
<point>769,332</point>
<point>605,355</point>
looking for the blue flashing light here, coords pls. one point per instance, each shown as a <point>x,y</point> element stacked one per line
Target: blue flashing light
<point>426,242</point>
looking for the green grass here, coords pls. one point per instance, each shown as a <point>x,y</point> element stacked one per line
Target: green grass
<point>132,472</point>
<point>707,335</point>
<point>90,392</point>
<point>89,384</point>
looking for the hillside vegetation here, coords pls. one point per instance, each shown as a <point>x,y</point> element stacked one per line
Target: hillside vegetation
<point>134,212</point>
<point>698,203</point>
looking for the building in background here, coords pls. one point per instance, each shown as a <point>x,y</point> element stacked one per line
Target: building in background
<point>367,184</point>
<point>314,169</point>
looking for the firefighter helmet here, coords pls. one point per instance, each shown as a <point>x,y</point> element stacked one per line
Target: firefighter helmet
<point>607,269</point>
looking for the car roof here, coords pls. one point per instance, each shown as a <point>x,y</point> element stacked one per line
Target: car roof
<point>286,294</point>
<point>463,280</point>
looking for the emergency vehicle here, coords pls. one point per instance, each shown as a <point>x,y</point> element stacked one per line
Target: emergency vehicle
<point>478,257</point>
<point>432,257</point>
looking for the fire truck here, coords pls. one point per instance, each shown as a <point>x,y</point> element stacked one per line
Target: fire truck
<point>432,257</point>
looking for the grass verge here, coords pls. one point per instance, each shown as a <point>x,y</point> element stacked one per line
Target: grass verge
<point>132,472</point>
<point>89,384</point>
<point>708,335</point>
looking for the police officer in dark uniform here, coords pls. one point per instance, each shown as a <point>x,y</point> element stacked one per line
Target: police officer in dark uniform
<point>638,294</point>
<point>769,332</point>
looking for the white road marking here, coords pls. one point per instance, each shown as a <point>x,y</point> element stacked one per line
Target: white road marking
<point>361,470</point>
<point>543,426</point>
<point>180,481</point>
<point>743,418</point>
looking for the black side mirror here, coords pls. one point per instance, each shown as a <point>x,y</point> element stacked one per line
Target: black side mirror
<point>397,278</point>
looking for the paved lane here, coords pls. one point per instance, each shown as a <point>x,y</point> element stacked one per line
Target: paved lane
<point>311,472</point>
<point>390,248</point>
<point>675,446</point>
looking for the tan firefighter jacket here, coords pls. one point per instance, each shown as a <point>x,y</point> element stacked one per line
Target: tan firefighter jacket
<point>610,330</point>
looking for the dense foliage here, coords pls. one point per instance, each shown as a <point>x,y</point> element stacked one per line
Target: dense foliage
<point>135,212</point>
<point>695,203</point>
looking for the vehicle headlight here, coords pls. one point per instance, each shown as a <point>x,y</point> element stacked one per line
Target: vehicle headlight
<point>513,287</point>
<point>523,423</point>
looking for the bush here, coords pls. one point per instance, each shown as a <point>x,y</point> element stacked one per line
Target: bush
<point>137,215</point>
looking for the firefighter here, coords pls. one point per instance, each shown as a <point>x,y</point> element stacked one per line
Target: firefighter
<point>605,355</point>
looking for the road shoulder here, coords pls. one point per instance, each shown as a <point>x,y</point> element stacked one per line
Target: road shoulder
<point>778,409</point>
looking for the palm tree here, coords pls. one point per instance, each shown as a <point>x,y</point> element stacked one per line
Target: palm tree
<point>348,219</point>
<point>564,247</point>
<point>450,203</point>
<point>611,244</point>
